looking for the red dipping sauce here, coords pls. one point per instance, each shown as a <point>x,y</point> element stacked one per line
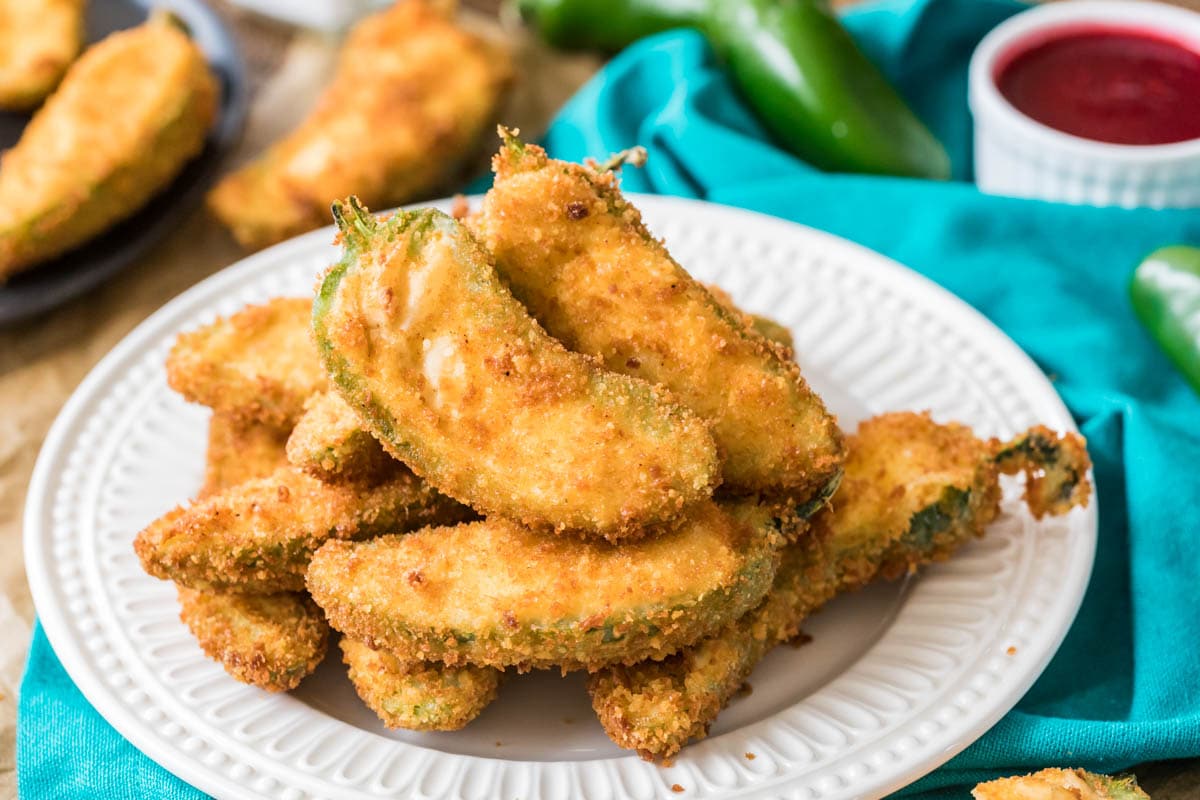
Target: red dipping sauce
<point>1107,84</point>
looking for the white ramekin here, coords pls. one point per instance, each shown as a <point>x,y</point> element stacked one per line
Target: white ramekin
<point>1017,156</point>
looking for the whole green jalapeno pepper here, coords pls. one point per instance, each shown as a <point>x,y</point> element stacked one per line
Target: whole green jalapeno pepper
<point>817,93</point>
<point>794,63</point>
<point>608,24</point>
<point>1165,291</point>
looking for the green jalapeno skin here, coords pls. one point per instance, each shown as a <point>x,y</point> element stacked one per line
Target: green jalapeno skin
<point>1165,292</point>
<point>608,24</point>
<point>794,63</point>
<point>817,93</point>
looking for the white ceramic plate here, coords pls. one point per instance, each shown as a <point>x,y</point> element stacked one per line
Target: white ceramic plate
<point>897,679</point>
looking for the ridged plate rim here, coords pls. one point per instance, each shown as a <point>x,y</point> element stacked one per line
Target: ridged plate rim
<point>988,686</point>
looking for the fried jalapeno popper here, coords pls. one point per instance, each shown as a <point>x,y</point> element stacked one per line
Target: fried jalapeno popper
<point>1061,784</point>
<point>258,536</point>
<point>495,593</point>
<point>258,365</point>
<point>913,492</point>
<point>330,443</point>
<point>271,641</point>
<point>128,115</point>
<point>419,696</point>
<point>38,41</point>
<point>452,375</point>
<point>576,253</point>
<point>412,95</point>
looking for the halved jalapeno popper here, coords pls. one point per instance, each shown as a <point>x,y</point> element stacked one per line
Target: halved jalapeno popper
<point>914,492</point>
<point>38,41</point>
<point>1061,784</point>
<point>450,373</point>
<point>257,365</point>
<point>258,536</point>
<point>419,695</point>
<point>411,97</point>
<point>272,641</point>
<point>576,253</point>
<point>495,593</point>
<point>330,443</point>
<point>128,115</point>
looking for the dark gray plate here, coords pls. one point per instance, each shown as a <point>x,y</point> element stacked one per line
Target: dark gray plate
<point>70,275</point>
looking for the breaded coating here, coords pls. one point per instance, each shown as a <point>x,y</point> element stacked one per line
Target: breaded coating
<point>1055,470</point>
<point>240,451</point>
<point>126,118</point>
<point>330,443</point>
<point>258,536</point>
<point>577,254</point>
<point>1061,784</point>
<point>258,365</point>
<point>38,41</point>
<point>420,336</point>
<point>494,593</point>
<point>419,696</point>
<point>913,492</point>
<point>272,641</point>
<point>656,707</point>
<point>1055,466</point>
<point>411,96</point>
<point>767,327</point>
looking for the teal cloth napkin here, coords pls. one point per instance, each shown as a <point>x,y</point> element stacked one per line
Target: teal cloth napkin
<point>1125,687</point>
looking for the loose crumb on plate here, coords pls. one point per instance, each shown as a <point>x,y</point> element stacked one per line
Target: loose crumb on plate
<point>799,640</point>
<point>1012,651</point>
<point>676,788</point>
<point>750,756</point>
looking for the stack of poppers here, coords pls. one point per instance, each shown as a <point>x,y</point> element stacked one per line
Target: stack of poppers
<point>528,439</point>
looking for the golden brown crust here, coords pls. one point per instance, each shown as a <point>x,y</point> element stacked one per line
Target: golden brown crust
<point>258,536</point>
<point>1055,467</point>
<point>81,166</point>
<point>765,326</point>
<point>1061,784</point>
<point>577,254</point>
<point>418,696</point>
<point>493,593</point>
<point>258,365</point>
<point>913,492</point>
<point>453,376</point>
<point>239,451</point>
<point>656,707</point>
<point>270,641</point>
<point>38,41</point>
<point>412,94</point>
<point>330,443</point>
